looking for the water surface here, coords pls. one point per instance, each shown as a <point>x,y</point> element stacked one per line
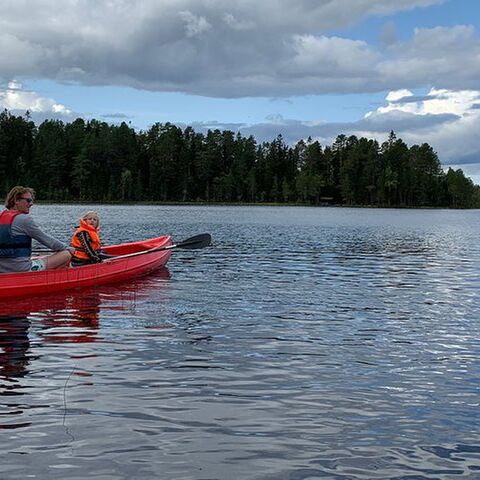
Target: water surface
<point>306,343</point>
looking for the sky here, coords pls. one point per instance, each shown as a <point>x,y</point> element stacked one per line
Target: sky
<point>299,68</point>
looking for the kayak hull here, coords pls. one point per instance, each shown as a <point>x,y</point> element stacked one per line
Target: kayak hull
<point>118,269</point>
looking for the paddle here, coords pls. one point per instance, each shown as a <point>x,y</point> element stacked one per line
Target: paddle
<point>198,241</point>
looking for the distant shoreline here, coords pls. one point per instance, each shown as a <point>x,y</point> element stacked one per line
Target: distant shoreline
<point>241,204</point>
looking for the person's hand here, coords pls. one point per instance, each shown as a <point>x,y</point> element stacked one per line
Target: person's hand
<point>71,250</point>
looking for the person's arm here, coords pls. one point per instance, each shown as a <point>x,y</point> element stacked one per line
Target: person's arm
<point>25,225</point>
<point>86,242</point>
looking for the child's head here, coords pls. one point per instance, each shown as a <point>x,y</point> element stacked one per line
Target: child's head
<point>92,219</point>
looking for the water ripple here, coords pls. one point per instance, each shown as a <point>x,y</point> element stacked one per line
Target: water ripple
<point>306,343</point>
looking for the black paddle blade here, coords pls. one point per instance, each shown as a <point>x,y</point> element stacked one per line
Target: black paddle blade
<point>198,241</point>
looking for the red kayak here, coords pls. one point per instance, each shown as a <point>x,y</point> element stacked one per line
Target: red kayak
<point>128,260</point>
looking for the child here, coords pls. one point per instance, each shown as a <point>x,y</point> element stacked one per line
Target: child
<point>86,241</point>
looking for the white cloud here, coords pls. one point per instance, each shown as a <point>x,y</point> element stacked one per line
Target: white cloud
<point>435,56</point>
<point>17,100</point>
<point>332,57</point>
<point>437,101</point>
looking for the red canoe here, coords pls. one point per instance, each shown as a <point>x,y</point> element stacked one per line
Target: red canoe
<point>131,260</point>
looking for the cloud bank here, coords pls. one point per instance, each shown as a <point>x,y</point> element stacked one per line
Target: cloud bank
<point>230,49</point>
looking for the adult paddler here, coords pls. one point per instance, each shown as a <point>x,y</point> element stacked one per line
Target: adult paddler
<point>17,229</point>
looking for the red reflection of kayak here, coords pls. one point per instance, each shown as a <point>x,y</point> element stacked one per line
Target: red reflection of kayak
<point>128,260</point>
<point>115,296</point>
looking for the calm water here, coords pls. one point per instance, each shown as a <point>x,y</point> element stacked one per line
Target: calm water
<point>306,343</point>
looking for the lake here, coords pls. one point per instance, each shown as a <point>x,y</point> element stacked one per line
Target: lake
<point>305,343</point>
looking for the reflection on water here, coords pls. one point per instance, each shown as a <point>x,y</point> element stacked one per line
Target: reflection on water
<point>306,343</point>
<point>65,317</point>
<point>14,345</point>
<point>80,315</point>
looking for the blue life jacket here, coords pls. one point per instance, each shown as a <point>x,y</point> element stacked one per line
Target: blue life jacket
<point>12,246</point>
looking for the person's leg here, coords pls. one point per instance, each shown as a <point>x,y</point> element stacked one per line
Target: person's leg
<point>58,260</point>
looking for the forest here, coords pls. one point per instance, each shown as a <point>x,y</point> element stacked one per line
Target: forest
<point>90,160</point>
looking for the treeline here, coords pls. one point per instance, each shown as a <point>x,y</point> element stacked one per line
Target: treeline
<point>96,161</point>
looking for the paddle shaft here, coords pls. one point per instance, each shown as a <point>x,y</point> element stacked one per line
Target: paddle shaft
<point>192,243</point>
<point>196,242</point>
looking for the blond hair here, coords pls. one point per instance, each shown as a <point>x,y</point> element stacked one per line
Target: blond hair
<point>94,214</point>
<point>15,193</point>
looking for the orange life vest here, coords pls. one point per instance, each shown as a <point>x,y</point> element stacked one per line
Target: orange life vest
<point>95,243</point>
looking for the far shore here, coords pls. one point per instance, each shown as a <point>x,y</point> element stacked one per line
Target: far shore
<point>240,204</point>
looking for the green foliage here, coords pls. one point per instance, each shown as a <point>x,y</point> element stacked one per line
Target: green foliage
<point>16,144</point>
<point>461,190</point>
<point>95,161</point>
